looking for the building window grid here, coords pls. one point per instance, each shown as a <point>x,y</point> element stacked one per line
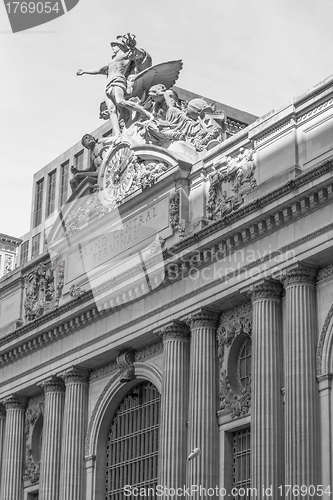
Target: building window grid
<point>241,462</point>
<point>64,174</point>
<point>132,446</point>
<point>39,202</point>
<point>35,245</point>
<point>244,364</point>
<point>24,252</point>
<point>79,160</point>
<point>51,193</point>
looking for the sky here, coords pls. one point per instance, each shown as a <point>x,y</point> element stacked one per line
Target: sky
<point>255,56</point>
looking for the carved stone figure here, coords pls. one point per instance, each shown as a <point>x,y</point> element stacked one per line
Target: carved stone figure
<point>129,76</point>
<point>230,183</point>
<point>97,148</point>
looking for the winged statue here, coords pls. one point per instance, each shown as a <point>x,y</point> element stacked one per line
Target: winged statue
<point>130,75</point>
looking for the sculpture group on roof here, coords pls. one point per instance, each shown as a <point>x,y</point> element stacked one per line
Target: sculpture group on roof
<point>141,104</point>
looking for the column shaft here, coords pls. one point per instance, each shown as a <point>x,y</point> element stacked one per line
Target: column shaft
<point>203,429</point>
<point>72,475</point>
<point>301,403</point>
<point>267,453</point>
<point>12,465</point>
<point>52,436</point>
<point>174,408</point>
<point>2,435</point>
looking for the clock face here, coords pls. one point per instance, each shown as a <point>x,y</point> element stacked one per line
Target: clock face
<point>117,170</point>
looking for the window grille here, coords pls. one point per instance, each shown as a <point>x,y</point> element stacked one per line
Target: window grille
<point>64,173</point>
<point>51,193</point>
<point>132,443</point>
<point>79,160</point>
<point>38,204</point>
<point>244,364</point>
<point>241,461</point>
<point>35,245</point>
<point>24,252</point>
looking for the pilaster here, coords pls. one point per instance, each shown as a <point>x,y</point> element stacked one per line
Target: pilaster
<point>174,405</point>
<point>301,399</point>
<point>12,465</point>
<point>2,435</point>
<point>267,451</point>
<point>72,474</point>
<point>54,390</point>
<point>203,428</point>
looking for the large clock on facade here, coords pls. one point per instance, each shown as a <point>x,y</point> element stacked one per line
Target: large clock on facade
<point>117,172</point>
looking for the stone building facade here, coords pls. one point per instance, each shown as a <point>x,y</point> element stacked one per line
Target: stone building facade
<point>191,308</point>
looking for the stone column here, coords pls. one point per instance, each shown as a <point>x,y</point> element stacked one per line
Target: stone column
<point>12,464</point>
<point>203,427</point>
<point>174,407</point>
<point>54,390</point>
<point>72,474</point>
<point>267,451</point>
<point>2,435</point>
<point>301,400</point>
<point>325,388</point>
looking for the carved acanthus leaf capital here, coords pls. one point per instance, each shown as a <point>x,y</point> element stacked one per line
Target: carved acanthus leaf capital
<point>202,319</point>
<point>177,331</point>
<point>75,375</point>
<point>52,384</point>
<point>14,402</point>
<point>301,274</point>
<point>265,290</point>
<point>2,411</point>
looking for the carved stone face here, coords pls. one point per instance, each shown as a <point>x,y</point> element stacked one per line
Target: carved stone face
<point>88,141</point>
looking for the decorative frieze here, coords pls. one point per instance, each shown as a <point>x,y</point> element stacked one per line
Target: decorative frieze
<point>325,273</point>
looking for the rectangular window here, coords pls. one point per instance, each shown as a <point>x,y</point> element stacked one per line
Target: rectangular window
<point>241,461</point>
<point>35,245</point>
<point>79,160</point>
<point>51,193</point>
<point>38,202</point>
<point>64,173</point>
<point>24,252</point>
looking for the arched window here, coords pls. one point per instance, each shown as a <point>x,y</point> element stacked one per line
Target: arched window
<point>132,443</point>
<point>244,364</point>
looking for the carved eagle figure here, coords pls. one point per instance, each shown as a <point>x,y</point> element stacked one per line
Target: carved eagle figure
<point>166,73</point>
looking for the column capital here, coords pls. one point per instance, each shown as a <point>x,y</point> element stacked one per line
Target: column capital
<point>75,375</point>
<point>2,411</point>
<point>202,318</point>
<point>300,274</point>
<point>265,290</point>
<point>174,330</point>
<point>52,384</point>
<point>14,402</point>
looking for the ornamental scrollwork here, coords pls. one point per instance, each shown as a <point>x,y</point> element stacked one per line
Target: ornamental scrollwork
<point>43,289</point>
<point>232,324</point>
<point>230,182</point>
<point>33,435</point>
<point>125,361</point>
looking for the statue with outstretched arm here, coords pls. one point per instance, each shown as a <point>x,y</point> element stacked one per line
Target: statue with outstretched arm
<point>127,61</point>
